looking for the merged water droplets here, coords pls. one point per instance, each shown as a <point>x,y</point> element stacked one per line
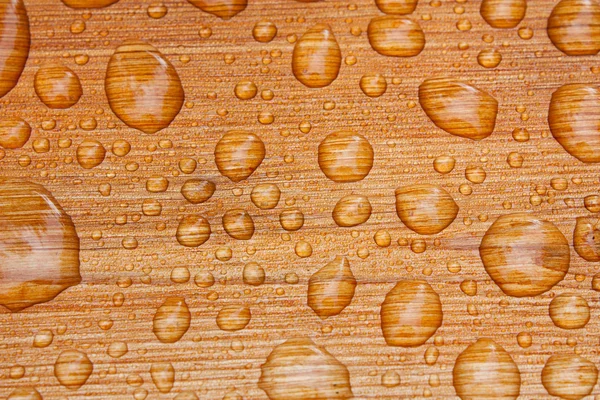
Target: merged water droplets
<point>424,208</point>
<point>143,87</point>
<point>485,370</point>
<point>172,320</point>
<point>14,43</point>
<point>574,119</point>
<point>39,247</point>
<point>396,36</point>
<point>459,108</point>
<point>569,376</point>
<point>57,86</point>
<point>524,255</point>
<point>503,14</point>
<point>410,314</point>
<point>331,288</point>
<point>299,369</point>
<point>224,9</point>
<point>317,57</point>
<point>574,27</point>
<point>72,369</point>
<point>345,156</point>
<point>238,154</point>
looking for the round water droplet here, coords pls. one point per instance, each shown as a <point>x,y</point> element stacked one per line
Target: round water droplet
<point>485,370</point>
<point>89,3</point>
<point>233,318</point>
<point>238,224</point>
<point>574,27</point>
<point>352,210</point>
<point>198,191</point>
<point>586,239</point>
<point>193,231</point>
<point>299,369</point>
<point>16,40</point>
<point>569,311</point>
<point>143,87</point>
<point>317,57</point>
<point>569,376</point>
<point>25,393</point>
<point>264,31</point>
<point>238,154</point>
<point>14,133</point>
<point>425,209</point>
<point>224,9</point>
<point>345,156</point>
<point>172,320</point>
<point>396,36</point>
<point>253,274</point>
<point>410,314</point>
<point>291,219</point>
<point>373,85</point>
<point>331,288</point>
<point>397,6</point>
<point>503,14</point>
<point>524,255</point>
<point>72,369</point>
<point>57,86</point>
<point>265,196</point>
<point>90,153</point>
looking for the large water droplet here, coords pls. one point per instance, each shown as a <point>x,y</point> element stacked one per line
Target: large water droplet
<point>39,247</point>
<point>524,255</point>
<point>345,156</point>
<point>586,239</point>
<point>410,314</point>
<point>425,209</point>
<point>89,3</point>
<point>569,376</point>
<point>352,210</point>
<point>317,57</point>
<point>458,108</point>
<point>396,36</point>
<point>14,133</point>
<point>57,86</point>
<point>574,119</point>
<point>298,369</point>
<point>72,369</point>
<point>331,288</point>
<point>574,27</point>
<point>143,87</point>
<point>224,9</point>
<point>484,370</point>
<point>172,320</point>
<point>238,154</point>
<point>503,14</point>
<point>14,43</point>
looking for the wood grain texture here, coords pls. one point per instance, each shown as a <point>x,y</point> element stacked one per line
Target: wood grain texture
<point>138,233</point>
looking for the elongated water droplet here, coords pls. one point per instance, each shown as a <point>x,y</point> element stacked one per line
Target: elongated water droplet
<point>574,119</point>
<point>224,9</point>
<point>396,36</point>
<point>163,376</point>
<point>143,87</point>
<point>524,255</point>
<point>14,44</point>
<point>425,209</point>
<point>331,288</point>
<point>89,3</point>
<point>410,314</point>
<point>317,57</point>
<point>172,320</point>
<point>458,108</point>
<point>484,370</point>
<point>298,369</point>
<point>39,247</point>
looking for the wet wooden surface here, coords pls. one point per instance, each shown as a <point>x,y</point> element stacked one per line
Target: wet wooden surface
<point>131,262</point>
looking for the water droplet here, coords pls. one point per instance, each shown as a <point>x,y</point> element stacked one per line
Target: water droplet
<point>503,14</point>
<point>396,36</point>
<point>265,196</point>
<point>245,90</point>
<point>574,117</point>
<point>569,376</point>
<point>198,191</point>
<point>163,376</point>
<point>157,10</point>
<point>16,40</point>
<point>352,210</point>
<point>574,27</point>
<point>390,379</point>
<point>57,86</point>
<point>397,6</point>
<point>264,31</point>
<point>524,340</point>
<point>489,58</point>
<point>143,87</point>
<point>90,153</point>
<point>524,255</point>
<point>117,349</point>
<point>317,58</point>
<point>14,133</point>
<point>410,314</point>
<point>425,209</point>
<point>39,247</point>
<point>291,219</point>
<point>586,239</point>
<point>193,231</point>
<point>172,320</point>
<point>331,288</point>
<point>233,318</point>
<point>88,3</point>
<point>444,164</point>
<point>345,156</point>
<point>485,370</point>
<point>299,369</point>
<point>238,224</point>
<point>569,311</point>
<point>458,108</point>
<point>253,274</point>
<point>224,9</point>
<point>72,369</point>
<point>43,338</point>
<point>373,85</point>
<point>186,396</point>
<point>25,393</point>
<point>238,154</point>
